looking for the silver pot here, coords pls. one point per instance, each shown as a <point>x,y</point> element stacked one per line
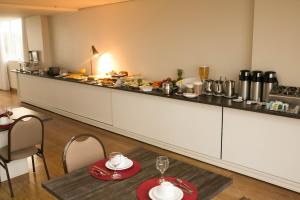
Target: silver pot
<point>167,87</point>
<point>208,86</point>
<point>218,87</point>
<point>229,88</point>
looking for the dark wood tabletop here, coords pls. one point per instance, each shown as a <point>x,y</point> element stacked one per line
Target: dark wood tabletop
<point>21,111</point>
<point>80,185</point>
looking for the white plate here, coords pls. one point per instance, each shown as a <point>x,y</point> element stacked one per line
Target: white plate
<point>7,123</point>
<point>146,88</point>
<point>128,163</point>
<point>190,95</point>
<point>178,195</point>
<point>238,100</point>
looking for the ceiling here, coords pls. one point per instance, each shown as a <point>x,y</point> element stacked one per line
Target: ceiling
<point>17,8</point>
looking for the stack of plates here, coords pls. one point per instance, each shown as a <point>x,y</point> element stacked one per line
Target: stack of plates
<point>166,191</point>
<point>126,164</point>
<point>190,95</point>
<point>146,88</point>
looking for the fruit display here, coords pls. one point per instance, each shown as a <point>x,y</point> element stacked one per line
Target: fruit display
<point>106,82</point>
<point>136,83</point>
<point>156,84</point>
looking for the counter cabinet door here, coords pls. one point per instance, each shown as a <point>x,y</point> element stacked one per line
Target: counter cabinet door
<point>192,126</point>
<point>266,143</point>
<point>86,101</point>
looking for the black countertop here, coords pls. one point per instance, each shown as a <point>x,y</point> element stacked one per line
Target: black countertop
<point>204,99</point>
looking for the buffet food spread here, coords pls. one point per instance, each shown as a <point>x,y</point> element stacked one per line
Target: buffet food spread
<point>122,79</point>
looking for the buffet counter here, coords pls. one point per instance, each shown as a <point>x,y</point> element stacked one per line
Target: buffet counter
<point>204,99</point>
<point>262,144</point>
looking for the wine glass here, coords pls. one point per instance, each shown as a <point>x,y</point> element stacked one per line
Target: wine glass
<point>9,112</point>
<point>115,159</point>
<point>162,164</point>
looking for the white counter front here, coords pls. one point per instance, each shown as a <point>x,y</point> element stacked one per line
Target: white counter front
<point>186,125</point>
<point>93,103</point>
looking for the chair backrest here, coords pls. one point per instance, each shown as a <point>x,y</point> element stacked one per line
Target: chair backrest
<point>81,151</point>
<point>27,131</point>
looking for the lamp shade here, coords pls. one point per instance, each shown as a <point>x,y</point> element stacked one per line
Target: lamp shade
<point>94,50</point>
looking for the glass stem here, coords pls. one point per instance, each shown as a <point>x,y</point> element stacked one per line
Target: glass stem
<point>115,171</point>
<point>162,177</point>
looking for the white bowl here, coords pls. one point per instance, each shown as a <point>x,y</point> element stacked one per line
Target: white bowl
<point>183,82</point>
<point>146,88</point>
<point>166,191</point>
<point>190,95</point>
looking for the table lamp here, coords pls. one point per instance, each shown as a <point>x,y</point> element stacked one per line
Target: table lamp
<point>95,54</point>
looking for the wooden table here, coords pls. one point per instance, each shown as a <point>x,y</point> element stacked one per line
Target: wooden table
<point>17,167</point>
<point>21,111</point>
<point>80,185</point>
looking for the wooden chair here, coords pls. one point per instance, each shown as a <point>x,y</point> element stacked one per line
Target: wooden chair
<point>25,139</point>
<point>82,150</point>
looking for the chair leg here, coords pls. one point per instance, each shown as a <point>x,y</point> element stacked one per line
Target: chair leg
<point>8,179</point>
<point>45,165</point>
<point>33,165</point>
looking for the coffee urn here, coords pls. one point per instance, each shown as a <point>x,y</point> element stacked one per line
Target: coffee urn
<point>270,80</point>
<point>256,86</point>
<point>244,84</point>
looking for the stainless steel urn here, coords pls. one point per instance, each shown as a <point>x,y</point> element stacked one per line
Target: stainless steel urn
<point>270,80</point>
<point>244,84</point>
<point>256,86</point>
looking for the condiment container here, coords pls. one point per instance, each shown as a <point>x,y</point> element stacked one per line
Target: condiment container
<point>229,88</point>
<point>198,87</point>
<point>167,87</point>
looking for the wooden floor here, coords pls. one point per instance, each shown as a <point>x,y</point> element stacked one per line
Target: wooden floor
<point>59,130</point>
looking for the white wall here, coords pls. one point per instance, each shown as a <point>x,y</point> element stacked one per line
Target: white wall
<point>276,40</point>
<point>38,39</point>
<point>34,33</point>
<point>156,37</point>
<point>47,58</point>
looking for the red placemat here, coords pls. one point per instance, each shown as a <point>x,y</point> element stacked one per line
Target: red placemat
<point>143,190</point>
<point>5,126</point>
<point>136,167</point>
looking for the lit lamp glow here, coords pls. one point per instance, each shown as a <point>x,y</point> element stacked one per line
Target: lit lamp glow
<point>105,64</point>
